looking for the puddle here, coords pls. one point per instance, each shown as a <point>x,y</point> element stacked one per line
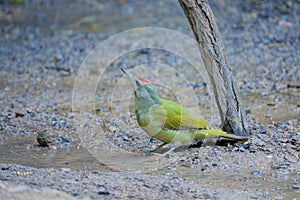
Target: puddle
<point>278,107</point>
<point>25,152</point>
<point>269,185</point>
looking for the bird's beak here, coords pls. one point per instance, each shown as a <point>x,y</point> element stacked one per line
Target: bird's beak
<point>133,80</point>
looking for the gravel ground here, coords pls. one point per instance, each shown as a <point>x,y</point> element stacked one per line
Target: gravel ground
<point>40,54</point>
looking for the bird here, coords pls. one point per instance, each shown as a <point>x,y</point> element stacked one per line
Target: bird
<point>167,120</point>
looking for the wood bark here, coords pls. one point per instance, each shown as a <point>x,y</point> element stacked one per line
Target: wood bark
<point>201,19</point>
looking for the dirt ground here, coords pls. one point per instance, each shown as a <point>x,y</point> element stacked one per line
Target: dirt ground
<point>44,45</point>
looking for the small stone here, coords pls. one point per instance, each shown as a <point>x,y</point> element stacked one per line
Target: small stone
<point>280,166</point>
<point>6,89</point>
<point>43,140</point>
<point>66,170</point>
<point>57,58</point>
<point>269,149</point>
<point>293,85</point>
<point>19,114</point>
<point>53,147</point>
<point>76,193</point>
<point>271,104</point>
<point>264,93</point>
<point>30,112</point>
<point>256,173</point>
<point>104,193</point>
<point>296,187</point>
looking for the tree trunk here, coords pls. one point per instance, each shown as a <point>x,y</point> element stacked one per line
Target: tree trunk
<point>201,19</point>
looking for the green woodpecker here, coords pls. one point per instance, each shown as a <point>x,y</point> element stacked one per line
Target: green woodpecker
<point>166,120</point>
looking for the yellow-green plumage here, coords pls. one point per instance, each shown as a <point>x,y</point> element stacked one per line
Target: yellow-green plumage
<point>177,116</point>
<point>166,120</point>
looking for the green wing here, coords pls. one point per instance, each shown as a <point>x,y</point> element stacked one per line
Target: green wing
<point>177,116</point>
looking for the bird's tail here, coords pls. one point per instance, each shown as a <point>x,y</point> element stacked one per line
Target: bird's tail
<point>212,133</point>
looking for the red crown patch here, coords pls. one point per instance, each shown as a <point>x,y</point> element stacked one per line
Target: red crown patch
<point>143,80</point>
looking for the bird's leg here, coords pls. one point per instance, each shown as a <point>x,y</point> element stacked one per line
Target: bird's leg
<point>159,147</point>
<point>171,147</point>
<point>164,154</point>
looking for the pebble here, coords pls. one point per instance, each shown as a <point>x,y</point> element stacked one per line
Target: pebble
<point>66,170</point>
<point>280,166</point>
<point>264,93</point>
<point>57,58</point>
<point>76,193</point>
<point>52,147</point>
<point>256,173</point>
<point>296,187</point>
<point>19,114</point>
<point>104,193</point>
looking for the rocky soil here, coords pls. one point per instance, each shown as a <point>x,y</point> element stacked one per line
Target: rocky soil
<point>41,51</point>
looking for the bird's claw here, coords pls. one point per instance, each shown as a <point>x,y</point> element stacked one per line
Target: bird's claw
<point>166,154</point>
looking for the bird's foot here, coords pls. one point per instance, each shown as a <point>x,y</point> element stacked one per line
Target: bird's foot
<point>159,148</point>
<point>166,154</point>
<point>167,148</point>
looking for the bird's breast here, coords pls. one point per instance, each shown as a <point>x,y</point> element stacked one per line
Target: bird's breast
<point>143,118</point>
<point>154,115</point>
